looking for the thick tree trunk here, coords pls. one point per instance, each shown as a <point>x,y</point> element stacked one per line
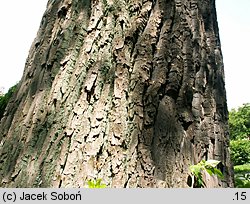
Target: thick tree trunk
<point>130,91</point>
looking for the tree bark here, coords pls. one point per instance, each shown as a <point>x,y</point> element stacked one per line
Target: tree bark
<point>129,91</point>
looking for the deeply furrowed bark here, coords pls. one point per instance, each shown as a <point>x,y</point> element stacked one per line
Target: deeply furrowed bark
<point>130,91</point>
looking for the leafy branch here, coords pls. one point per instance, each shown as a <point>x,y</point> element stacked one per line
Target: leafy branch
<point>208,166</point>
<point>96,184</point>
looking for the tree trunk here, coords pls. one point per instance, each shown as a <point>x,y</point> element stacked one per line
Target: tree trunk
<point>129,91</point>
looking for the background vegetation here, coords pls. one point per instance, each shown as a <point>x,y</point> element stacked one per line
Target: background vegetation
<point>4,99</point>
<point>239,125</point>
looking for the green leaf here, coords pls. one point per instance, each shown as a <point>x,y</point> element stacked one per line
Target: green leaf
<point>218,173</point>
<point>91,184</point>
<point>195,170</point>
<point>210,171</point>
<point>200,182</point>
<point>211,163</point>
<point>102,186</point>
<point>96,184</point>
<point>209,166</point>
<point>202,162</point>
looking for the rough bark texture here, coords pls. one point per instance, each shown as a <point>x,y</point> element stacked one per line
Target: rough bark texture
<point>130,91</point>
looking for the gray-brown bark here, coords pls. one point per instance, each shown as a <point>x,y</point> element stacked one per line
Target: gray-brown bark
<point>128,91</point>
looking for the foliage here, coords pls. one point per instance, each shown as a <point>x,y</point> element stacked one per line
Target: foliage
<point>242,176</point>
<point>96,184</point>
<point>209,166</point>
<point>240,151</point>
<point>239,125</point>
<point>5,99</point>
<point>239,122</point>
<point>242,181</point>
<point>245,168</point>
